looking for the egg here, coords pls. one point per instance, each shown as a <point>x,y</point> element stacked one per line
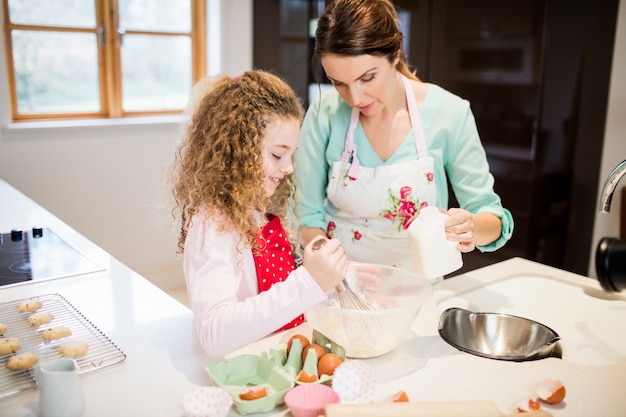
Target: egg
<point>319,350</point>
<point>551,391</point>
<point>304,341</point>
<point>327,364</point>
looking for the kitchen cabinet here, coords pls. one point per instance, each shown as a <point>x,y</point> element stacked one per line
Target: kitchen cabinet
<point>496,54</point>
<point>283,39</point>
<point>529,69</point>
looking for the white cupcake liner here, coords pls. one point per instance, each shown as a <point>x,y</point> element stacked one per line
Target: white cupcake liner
<point>207,402</point>
<point>354,382</point>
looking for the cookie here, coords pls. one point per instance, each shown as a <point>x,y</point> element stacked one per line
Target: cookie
<point>40,318</point>
<point>3,328</point>
<point>73,349</point>
<point>56,333</point>
<point>9,345</point>
<point>29,306</point>
<point>22,361</point>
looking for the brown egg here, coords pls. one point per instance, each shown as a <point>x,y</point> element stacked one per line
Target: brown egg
<point>551,391</point>
<point>304,341</point>
<point>327,364</point>
<point>319,350</point>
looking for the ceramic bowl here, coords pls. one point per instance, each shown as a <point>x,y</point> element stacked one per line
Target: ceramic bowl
<point>396,296</point>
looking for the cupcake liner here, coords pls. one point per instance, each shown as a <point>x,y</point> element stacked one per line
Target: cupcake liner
<point>310,400</point>
<point>354,382</point>
<point>207,402</point>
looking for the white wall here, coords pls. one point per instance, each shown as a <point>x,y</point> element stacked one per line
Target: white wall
<point>614,148</point>
<point>108,180</point>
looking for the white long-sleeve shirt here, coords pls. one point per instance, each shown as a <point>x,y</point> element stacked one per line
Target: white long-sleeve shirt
<point>228,311</point>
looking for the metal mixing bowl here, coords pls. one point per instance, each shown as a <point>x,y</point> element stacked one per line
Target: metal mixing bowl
<point>397,296</point>
<point>497,336</point>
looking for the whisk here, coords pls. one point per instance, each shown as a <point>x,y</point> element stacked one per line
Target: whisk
<point>347,298</point>
<point>361,323</point>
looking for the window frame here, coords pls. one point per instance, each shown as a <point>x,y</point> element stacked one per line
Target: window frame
<point>109,61</point>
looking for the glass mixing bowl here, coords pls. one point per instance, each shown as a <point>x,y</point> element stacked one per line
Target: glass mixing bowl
<point>396,297</point>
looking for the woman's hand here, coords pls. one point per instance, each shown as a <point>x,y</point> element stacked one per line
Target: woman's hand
<point>326,262</point>
<point>471,229</point>
<point>460,228</point>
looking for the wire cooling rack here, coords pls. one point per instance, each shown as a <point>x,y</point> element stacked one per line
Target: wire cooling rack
<point>102,352</point>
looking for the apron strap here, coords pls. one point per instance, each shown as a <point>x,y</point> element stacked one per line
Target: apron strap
<point>349,150</point>
<point>416,122</point>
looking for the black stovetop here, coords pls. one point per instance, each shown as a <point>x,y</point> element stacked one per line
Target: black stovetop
<point>39,254</point>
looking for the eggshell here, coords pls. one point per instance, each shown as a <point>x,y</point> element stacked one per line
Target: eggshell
<point>551,391</point>
<point>528,404</point>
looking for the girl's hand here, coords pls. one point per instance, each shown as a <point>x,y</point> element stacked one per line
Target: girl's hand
<point>460,228</point>
<point>326,261</point>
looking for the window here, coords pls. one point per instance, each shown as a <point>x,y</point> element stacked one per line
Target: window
<point>102,58</point>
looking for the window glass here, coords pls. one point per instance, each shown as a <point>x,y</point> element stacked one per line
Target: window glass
<point>56,72</point>
<point>102,58</point>
<point>69,13</point>
<point>159,15</point>
<point>157,72</point>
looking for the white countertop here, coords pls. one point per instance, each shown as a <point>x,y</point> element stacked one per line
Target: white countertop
<point>164,359</point>
<point>591,324</point>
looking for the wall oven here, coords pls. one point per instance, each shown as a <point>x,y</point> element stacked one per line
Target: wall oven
<point>493,61</point>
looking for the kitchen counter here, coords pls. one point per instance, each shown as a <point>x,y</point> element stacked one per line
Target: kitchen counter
<point>164,359</point>
<point>590,322</point>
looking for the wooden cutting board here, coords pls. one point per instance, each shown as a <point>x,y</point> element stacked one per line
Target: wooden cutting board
<point>424,409</point>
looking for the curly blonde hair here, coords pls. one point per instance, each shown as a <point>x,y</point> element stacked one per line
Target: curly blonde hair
<point>219,166</point>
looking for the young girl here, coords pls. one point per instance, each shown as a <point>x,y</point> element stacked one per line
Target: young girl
<point>233,189</point>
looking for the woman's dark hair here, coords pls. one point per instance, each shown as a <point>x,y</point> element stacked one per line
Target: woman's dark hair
<point>357,27</point>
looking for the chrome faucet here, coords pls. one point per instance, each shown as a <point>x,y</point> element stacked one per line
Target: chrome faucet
<point>611,252</point>
<point>609,186</point>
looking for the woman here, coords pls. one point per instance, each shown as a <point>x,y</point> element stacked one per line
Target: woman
<point>382,144</point>
<point>232,185</point>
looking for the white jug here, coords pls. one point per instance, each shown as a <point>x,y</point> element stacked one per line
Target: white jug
<point>433,255</point>
<point>60,391</point>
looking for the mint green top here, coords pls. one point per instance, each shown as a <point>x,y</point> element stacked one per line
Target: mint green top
<point>451,139</point>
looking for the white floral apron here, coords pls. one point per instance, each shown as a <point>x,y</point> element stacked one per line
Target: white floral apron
<point>372,207</point>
